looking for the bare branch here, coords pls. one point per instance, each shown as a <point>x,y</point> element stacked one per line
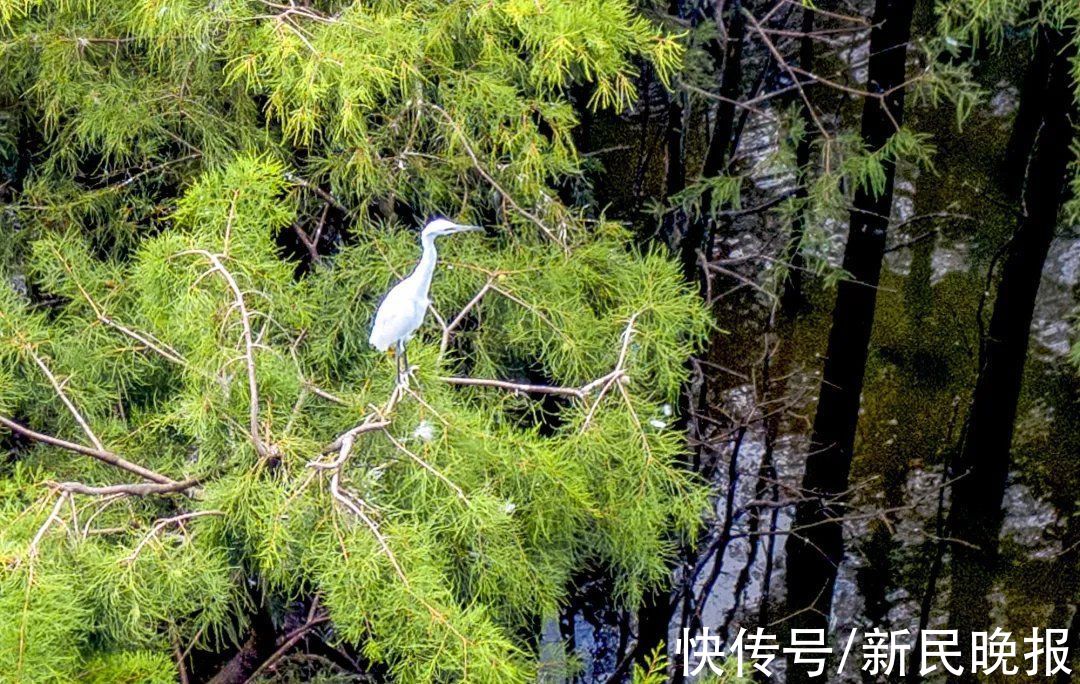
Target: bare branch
<point>452,325</point>
<point>128,489</point>
<point>524,388</point>
<point>100,454</point>
<point>326,197</point>
<point>54,516</point>
<point>249,350</point>
<point>616,376</point>
<point>370,424</point>
<point>787,67</point>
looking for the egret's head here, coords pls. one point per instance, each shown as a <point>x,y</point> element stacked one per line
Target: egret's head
<point>440,226</point>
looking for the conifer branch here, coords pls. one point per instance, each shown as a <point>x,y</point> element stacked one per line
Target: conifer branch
<point>144,338</point>
<point>532,308</point>
<point>160,525</point>
<point>249,348</point>
<point>491,180</point>
<point>59,389</point>
<point>100,454</point>
<point>426,466</point>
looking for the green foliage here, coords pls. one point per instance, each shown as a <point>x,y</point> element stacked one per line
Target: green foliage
<point>164,150</point>
<point>655,671</point>
<point>129,667</point>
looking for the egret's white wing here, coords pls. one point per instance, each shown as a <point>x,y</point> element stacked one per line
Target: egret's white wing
<point>398,317</point>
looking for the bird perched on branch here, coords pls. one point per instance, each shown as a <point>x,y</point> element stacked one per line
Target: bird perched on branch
<point>403,308</point>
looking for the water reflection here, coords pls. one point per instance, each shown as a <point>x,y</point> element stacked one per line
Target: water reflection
<point>949,225</point>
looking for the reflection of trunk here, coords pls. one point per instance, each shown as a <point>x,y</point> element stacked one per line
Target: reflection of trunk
<point>983,465</point>
<point>816,548</point>
<point>775,374</point>
<point>792,298</point>
<point>720,140</point>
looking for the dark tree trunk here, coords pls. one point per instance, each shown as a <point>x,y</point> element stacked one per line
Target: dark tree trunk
<point>1026,124</point>
<point>730,57</point>
<point>792,299</point>
<point>817,548</point>
<point>674,164</point>
<point>983,465</point>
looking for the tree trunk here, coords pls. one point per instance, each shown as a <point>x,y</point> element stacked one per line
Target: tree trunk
<point>720,140</point>
<point>792,299</point>
<point>985,458</point>
<point>815,552</point>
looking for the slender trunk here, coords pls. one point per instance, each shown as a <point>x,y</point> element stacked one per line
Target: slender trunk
<point>720,140</point>
<point>1029,114</point>
<point>792,299</point>
<point>674,165</point>
<point>817,549</point>
<point>983,465</point>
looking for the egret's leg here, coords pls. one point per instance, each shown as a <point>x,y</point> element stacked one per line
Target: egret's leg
<point>405,359</point>
<point>401,364</point>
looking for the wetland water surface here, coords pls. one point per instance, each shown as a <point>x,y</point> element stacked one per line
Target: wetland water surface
<point>763,377</point>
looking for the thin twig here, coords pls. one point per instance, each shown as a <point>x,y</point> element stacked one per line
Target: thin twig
<point>54,515</point>
<point>787,67</point>
<point>452,325</point>
<point>355,508</point>
<point>494,183</point>
<point>290,641</point>
<point>160,525</point>
<point>59,389</point>
<point>145,489</point>
<point>157,346</point>
<point>426,466</point>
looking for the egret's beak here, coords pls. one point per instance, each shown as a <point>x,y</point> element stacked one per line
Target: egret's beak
<point>458,228</point>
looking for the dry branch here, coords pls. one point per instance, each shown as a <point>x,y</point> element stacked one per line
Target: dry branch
<point>249,348</point>
<point>100,454</point>
<point>144,489</point>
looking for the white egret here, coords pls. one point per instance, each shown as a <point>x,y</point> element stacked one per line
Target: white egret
<point>403,308</point>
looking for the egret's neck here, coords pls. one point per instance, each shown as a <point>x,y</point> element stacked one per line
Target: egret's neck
<point>426,268</point>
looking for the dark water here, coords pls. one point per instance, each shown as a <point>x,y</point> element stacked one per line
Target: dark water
<point>919,378</point>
